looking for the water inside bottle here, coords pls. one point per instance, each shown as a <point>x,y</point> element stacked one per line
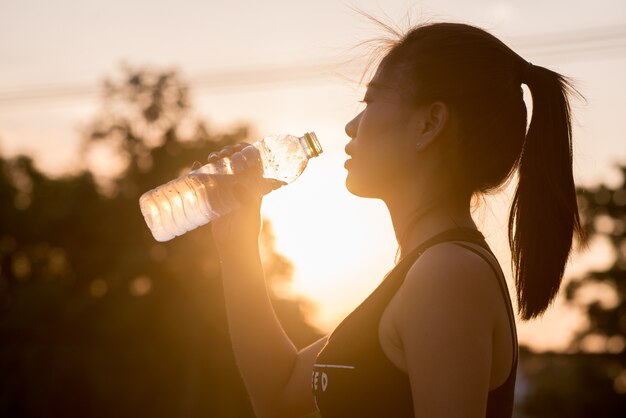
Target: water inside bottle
<point>217,198</point>
<point>207,193</point>
<point>152,214</point>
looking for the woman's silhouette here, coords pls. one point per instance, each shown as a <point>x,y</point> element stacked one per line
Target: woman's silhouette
<point>444,121</point>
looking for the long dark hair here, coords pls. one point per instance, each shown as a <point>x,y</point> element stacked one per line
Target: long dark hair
<point>480,79</point>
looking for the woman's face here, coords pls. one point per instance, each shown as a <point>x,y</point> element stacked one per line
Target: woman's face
<point>382,145</point>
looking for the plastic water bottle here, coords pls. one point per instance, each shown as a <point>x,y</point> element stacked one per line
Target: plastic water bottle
<point>205,194</point>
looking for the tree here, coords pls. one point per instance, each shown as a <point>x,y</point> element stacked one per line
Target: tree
<point>604,213</point>
<point>97,318</point>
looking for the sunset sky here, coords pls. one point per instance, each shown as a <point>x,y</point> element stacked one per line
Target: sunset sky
<point>55,54</point>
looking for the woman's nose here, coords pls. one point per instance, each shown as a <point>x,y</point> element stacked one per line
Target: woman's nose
<point>352,126</point>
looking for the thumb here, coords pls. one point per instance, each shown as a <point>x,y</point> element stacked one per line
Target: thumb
<point>269,185</point>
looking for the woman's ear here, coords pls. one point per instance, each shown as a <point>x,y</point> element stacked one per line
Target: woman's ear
<point>433,120</point>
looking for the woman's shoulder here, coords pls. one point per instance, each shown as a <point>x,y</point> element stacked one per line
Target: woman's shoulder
<point>448,274</point>
<point>450,263</point>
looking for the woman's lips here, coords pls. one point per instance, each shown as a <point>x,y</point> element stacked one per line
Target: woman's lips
<point>347,163</point>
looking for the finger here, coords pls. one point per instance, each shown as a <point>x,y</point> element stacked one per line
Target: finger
<point>238,162</point>
<point>240,145</point>
<point>226,151</point>
<point>252,156</point>
<point>212,157</point>
<point>216,155</point>
<point>269,185</point>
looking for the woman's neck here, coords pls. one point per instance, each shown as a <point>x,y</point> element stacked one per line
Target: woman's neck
<point>415,223</point>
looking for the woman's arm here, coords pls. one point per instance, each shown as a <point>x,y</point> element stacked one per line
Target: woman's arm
<point>446,323</point>
<point>277,376</point>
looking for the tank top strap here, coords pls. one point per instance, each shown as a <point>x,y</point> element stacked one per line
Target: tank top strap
<point>404,264</point>
<point>454,234</point>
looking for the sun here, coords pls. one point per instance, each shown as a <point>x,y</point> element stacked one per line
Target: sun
<point>340,245</point>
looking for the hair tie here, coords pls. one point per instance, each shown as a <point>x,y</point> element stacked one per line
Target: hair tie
<point>526,72</point>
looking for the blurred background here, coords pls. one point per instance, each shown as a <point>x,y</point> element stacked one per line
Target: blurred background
<point>101,101</point>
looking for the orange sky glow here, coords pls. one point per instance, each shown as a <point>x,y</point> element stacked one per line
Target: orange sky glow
<point>345,247</point>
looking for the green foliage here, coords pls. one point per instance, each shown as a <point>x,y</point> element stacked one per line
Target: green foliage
<point>97,318</point>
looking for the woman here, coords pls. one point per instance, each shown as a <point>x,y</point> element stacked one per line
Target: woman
<point>444,121</point>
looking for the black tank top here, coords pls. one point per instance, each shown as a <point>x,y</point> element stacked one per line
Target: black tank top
<point>353,377</point>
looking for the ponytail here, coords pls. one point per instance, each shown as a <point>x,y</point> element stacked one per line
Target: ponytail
<point>544,212</point>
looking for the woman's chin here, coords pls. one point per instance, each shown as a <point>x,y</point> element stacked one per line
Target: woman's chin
<point>359,190</point>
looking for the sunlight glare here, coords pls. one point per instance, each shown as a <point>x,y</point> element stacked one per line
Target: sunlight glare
<point>328,233</point>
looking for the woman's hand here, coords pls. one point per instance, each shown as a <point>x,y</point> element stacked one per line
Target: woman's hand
<point>242,226</point>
